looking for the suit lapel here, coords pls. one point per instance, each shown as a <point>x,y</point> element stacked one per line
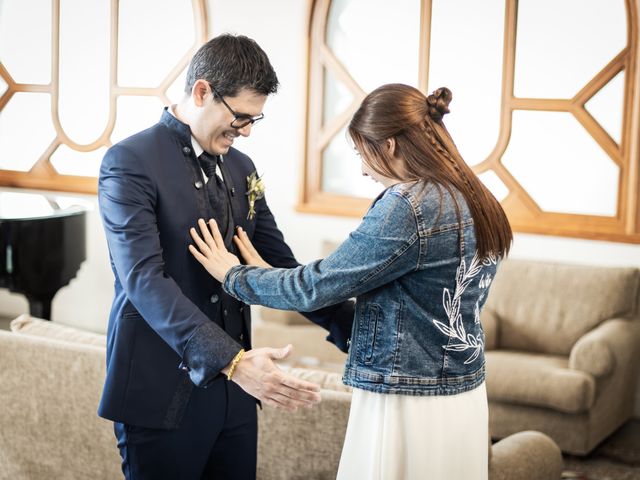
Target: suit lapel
<point>237,187</point>
<point>234,208</point>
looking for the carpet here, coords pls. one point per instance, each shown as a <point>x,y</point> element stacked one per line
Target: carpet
<point>617,458</point>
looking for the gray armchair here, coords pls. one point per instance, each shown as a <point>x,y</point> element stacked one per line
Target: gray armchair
<point>562,350</point>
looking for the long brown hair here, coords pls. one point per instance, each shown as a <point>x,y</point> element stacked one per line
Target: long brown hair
<point>403,113</point>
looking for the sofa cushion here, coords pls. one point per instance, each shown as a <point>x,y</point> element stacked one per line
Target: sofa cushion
<point>28,325</point>
<point>546,307</point>
<point>529,454</point>
<point>538,380</point>
<point>49,392</point>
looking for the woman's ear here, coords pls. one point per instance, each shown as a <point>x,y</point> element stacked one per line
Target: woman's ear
<point>391,146</point>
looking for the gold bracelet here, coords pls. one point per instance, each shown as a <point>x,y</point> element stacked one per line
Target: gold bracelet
<point>234,363</point>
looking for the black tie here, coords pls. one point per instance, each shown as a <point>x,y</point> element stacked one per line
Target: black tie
<point>216,191</point>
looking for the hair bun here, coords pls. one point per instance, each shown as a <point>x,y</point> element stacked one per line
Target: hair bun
<point>438,103</point>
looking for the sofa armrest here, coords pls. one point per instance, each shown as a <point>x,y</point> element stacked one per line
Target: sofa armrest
<point>50,389</point>
<point>32,326</point>
<point>525,455</point>
<point>612,342</point>
<point>490,322</point>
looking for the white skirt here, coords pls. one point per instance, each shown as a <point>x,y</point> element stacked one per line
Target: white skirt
<point>405,437</point>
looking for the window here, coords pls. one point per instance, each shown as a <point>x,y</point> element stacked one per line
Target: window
<point>78,76</point>
<point>545,107</point>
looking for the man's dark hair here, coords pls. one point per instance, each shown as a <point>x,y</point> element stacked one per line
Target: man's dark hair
<point>231,63</point>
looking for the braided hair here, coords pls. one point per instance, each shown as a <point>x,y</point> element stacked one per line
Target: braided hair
<point>428,155</point>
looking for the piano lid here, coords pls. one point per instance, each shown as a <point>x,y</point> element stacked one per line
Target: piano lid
<point>42,244</point>
<point>17,205</point>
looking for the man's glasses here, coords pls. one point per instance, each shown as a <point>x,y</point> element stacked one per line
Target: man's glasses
<point>240,120</point>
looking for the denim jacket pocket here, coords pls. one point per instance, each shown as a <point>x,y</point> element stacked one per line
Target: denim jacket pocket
<point>372,322</point>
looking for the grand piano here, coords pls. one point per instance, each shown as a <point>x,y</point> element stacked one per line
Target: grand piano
<point>42,245</point>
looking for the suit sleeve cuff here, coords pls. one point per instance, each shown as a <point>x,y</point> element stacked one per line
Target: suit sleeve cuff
<point>208,351</point>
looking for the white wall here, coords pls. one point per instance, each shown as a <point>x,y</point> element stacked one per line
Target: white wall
<point>276,145</point>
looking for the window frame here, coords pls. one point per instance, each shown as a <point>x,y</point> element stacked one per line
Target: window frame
<point>523,212</point>
<point>42,175</point>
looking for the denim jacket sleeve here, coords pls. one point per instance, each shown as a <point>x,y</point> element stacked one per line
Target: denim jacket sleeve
<point>383,248</point>
<point>269,242</point>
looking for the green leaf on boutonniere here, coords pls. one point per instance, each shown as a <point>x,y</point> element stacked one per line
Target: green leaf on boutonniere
<point>255,191</point>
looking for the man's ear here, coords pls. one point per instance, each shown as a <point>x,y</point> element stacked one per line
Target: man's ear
<point>199,91</point>
<point>391,146</point>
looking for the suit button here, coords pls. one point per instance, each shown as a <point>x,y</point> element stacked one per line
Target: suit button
<point>241,309</point>
<point>214,298</point>
<point>241,337</point>
<point>198,184</point>
<point>186,150</point>
<point>224,312</point>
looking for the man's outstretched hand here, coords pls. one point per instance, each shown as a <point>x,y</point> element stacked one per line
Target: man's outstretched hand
<point>258,375</point>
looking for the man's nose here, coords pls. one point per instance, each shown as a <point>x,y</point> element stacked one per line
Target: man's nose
<point>245,131</point>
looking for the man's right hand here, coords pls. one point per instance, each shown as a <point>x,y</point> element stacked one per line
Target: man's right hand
<point>258,375</point>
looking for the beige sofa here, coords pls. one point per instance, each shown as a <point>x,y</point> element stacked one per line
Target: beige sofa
<point>562,350</point>
<point>50,382</point>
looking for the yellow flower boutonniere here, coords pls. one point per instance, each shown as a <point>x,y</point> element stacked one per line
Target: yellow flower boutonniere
<point>255,191</point>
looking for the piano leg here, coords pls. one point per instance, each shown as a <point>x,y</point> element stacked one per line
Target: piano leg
<point>40,307</point>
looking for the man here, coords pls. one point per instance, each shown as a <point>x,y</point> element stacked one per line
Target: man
<point>174,335</point>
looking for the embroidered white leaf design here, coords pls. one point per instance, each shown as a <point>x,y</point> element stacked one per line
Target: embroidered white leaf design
<point>491,259</point>
<point>446,301</point>
<point>473,356</point>
<point>460,326</point>
<point>458,347</point>
<point>444,329</point>
<point>456,329</point>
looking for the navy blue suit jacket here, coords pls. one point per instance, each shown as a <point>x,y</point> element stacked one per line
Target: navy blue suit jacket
<point>165,333</point>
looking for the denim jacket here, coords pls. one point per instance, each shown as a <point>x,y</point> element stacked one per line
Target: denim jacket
<point>419,286</point>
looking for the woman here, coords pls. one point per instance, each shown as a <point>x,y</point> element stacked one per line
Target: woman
<point>420,265</point>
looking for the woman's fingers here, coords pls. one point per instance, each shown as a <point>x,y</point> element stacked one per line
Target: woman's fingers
<point>211,244</point>
<point>206,234</point>
<point>247,250</point>
<point>247,243</point>
<point>198,256</point>
<point>216,235</point>
<point>211,234</point>
<point>243,250</point>
<point>204,248</point>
